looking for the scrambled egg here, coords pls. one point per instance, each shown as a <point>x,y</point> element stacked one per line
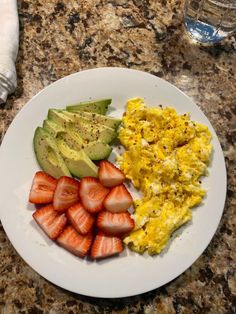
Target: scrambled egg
<point>166,154</point>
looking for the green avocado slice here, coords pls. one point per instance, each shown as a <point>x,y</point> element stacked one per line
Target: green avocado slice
<point>52,127</point>
<point>48,155</point>
<point>95,150</point>
<point>98,106</point>
<point>93,118</point>
<point>59,118</point>
<point>92,132</point>
<point>86,129</point>
<point>77,162</point>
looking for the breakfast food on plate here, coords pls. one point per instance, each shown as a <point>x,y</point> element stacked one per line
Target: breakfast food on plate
<point>71,140</point>
<point>115,223</point>
<point>80,218</point>
<point>46,185</point>
<point>109,175</point>
<point>92,194</point>
<point>105,246</point>
<point>51,221</point>
<point>118,199</point>
<point>74,215</point>
<point>66,193</point>
<point>166,155</point>
<point>98,106</point>
<point>74,242</point>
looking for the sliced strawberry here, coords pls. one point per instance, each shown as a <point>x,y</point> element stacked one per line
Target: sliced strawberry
<point>109,175</point>
<point>42,188</point>
<point>92,194</point>
<point>104,246</point>
<point>74,242</point>
<point>66,193</point>
<point>115,224</point>
<point>80,218</point>
<point>118,200</point>
<point>50,221</point>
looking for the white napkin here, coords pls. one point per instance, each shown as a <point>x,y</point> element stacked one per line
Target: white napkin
<point>9,41</point>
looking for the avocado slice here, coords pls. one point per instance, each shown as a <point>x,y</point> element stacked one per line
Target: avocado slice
<point>94,150</point>
<point>93,118</point>
<point>98,106</point>
<point>87,130</point>
<point>77,162</point>
<point>92,132</point>
<point>59,118</point>
<point>52,127</point>
<point>48,155</point>
<point>97,150</point>
<point>72,138</point>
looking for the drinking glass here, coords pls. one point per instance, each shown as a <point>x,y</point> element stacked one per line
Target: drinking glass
<point>209,21</point>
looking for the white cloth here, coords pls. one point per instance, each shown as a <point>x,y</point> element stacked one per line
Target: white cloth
<point>9,41</point>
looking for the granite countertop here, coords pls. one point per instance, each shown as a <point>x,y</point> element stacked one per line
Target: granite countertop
<point>59,37</point>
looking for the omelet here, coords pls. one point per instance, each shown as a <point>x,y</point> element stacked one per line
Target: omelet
<point>165,156</point>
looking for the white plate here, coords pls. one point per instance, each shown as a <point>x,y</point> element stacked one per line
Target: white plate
<point>130,273</point>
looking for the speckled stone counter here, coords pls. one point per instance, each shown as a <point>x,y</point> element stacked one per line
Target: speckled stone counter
<point>58,38</point>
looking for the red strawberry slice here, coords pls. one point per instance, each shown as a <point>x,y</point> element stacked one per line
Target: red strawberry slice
<point>118,200</point>
<point>115,224</point>
<point>92,194</point>
<point>50,221</point>
<point>104,246</point>
<point>66,193</point>
<point>74,242</point>
<point>80,218</point>
<point>109,175</point>
<point>42,188</point>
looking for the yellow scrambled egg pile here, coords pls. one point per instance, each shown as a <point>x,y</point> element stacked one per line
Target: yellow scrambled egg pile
<point>166,154</point>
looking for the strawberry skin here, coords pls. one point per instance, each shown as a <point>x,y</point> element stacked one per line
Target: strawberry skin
<point>105,246</point>
<point>50,221</point>
<point>118,200</point>
<point>92,194</point>
<point>74,242</point>
<point>116,224</point>
<point>109,175</point>
<point>66,193</point>
<point>42,188</point>
<point>80,218</point>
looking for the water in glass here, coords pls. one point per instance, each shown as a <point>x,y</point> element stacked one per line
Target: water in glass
<point>210,21</point>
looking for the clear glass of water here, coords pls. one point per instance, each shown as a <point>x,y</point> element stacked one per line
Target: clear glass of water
<point>209,21</point>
